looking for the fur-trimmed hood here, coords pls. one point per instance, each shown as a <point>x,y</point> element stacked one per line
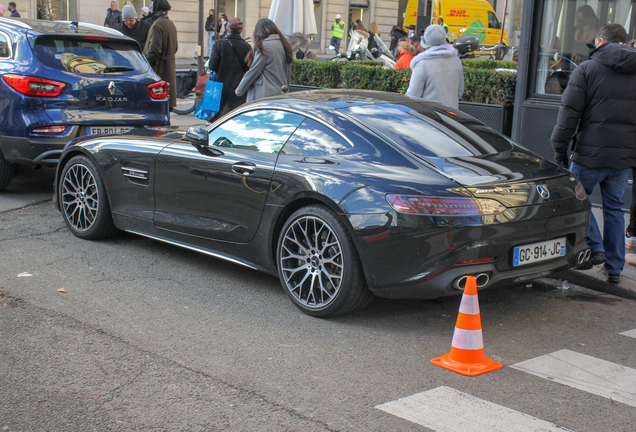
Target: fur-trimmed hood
<point>440,51</point>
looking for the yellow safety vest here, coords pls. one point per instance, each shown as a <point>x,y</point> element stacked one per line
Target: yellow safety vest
<point>338,29</point>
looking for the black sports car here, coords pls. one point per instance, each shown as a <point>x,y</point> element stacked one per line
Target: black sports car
<point>342,194</point>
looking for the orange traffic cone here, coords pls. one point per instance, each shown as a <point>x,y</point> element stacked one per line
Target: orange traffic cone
<point>467,349</point>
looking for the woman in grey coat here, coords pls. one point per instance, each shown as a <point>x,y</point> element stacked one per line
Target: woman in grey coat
<point>270,61</point>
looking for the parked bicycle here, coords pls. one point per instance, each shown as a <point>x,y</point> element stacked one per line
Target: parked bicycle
<point>187,99</point>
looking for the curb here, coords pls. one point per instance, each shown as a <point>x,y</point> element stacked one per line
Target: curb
<point>586,281</point>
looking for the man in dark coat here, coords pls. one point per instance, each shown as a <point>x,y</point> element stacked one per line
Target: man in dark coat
<point>14,10</point>
<point>210,27</point>
<point>228,61</point>
<point>132,27</point>
<point>162,46</point>
<point>600,100</point>
<point>113,16</point>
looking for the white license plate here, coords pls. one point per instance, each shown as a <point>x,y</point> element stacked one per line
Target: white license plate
<point>107,130</point>
<point>535,252</point>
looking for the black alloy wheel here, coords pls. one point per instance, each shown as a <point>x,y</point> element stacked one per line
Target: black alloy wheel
<point>83,200</point>
<point>318,264</point>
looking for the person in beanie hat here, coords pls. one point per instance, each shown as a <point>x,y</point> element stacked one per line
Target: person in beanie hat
<point>438,75</point>
<point>113,16</point>
<point>228,61</point>
<point>132,27</point>
<point>161,47</point>
<point>144,12</point>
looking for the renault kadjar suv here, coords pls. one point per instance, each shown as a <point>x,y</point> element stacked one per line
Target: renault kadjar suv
<point>59,81</point>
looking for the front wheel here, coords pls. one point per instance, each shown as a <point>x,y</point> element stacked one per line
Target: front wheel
<point>318,264</point>
<point>83,200</point>
<point>187,104</point>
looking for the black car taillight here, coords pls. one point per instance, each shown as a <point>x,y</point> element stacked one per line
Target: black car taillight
<point>158,90</point>
<point>34,86</point>
<point>441,206</point>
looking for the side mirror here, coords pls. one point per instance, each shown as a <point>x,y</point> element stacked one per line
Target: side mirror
<point>198,135</point>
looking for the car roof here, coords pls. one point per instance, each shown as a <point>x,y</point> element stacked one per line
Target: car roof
<point>329,100</point>
<point>44,27</point>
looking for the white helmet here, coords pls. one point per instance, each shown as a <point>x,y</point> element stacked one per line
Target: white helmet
<point>337,16</point>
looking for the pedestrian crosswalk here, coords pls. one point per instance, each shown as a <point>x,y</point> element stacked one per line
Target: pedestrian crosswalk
<point>445,409</point>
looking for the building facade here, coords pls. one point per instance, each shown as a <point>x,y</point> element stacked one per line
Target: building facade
<point>184,13</point>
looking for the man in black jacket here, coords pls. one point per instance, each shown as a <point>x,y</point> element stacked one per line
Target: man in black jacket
<point>600,100</point>
<point>132,27</point>
<point>14,10</point>
<point>113,16</point>
<point>210,27</point>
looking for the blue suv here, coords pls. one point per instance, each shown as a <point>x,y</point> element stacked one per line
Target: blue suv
<point>59,81</point>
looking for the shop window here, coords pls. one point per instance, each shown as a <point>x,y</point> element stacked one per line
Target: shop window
<point>568,30</point>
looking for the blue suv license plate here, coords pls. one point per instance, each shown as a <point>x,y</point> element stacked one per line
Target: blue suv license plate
<point>107,130</point>
<point>541,251</point>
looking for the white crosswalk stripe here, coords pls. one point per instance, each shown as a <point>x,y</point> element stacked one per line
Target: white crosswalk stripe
<point>585,373</point>
<point>444,409</point>
<point>630,333</point>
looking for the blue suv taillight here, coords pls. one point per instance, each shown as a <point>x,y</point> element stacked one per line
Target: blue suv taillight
<point>34,86</point>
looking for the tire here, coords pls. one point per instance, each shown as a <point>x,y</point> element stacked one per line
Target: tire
<point>315,250</point>
<point>187,104</point>
<point>83,200</point>
<point>7,171</point>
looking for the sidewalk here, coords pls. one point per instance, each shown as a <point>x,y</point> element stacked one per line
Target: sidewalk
<point>594,278</point>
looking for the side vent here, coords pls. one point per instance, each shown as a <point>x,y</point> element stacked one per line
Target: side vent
<point>137,173</point>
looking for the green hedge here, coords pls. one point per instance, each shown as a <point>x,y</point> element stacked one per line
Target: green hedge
<point>481,82</point>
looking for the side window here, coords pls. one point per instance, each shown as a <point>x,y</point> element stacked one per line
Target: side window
<point>314,139</point>
<point>4,46</point>
<point>493,22</point>
<point>264,131</point>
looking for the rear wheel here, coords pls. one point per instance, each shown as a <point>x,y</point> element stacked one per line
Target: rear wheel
<point>318,264</point>
<point>7,171</point>
<point>187,104</point>
<point>83,200</point>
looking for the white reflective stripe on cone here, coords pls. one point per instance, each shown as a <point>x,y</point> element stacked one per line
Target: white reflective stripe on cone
<point>469,305</point>
<point>467,339</point>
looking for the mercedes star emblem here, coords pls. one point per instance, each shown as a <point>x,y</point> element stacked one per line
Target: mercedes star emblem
<point>543,191</point>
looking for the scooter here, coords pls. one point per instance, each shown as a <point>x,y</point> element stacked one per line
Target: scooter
<point>358,50</point>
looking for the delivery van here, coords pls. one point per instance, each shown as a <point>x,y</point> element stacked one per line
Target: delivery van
<point>463,17</point>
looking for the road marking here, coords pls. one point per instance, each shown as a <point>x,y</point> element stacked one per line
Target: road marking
<point>630,333</point>
<point>445,409</point>
<point>585,373</point>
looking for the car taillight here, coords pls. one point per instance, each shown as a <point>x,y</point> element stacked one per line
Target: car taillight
<point>439,206</point>
<point>34,86</point>
<point>580,191</point>
<point>158,90</point>
<point>49,130</point>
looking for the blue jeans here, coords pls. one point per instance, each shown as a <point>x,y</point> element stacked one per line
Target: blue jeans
<point>210,42</point>
<point>612,183</point>
<point>336,43</point>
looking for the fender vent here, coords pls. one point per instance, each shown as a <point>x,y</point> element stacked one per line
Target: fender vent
<point>137,173</point>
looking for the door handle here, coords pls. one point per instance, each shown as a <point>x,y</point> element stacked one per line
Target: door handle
<point>244,168</point>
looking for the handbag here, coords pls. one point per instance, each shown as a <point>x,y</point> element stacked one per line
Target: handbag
<point>199,88</point>
<point>211,102</point>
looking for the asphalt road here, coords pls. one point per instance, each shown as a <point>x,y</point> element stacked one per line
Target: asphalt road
<point>151,337</point>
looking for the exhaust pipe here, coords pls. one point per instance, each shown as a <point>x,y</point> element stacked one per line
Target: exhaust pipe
<point>588,253</point>
<point>580,258</point>
<point>460,283</point>
<point>482,280</point>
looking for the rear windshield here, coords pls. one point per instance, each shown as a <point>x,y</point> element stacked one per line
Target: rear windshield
<point>436,133</point>
<point>90,55</point>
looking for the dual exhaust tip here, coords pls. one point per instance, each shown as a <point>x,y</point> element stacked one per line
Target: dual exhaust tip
<point>482,281</point>
<point>583,256</point>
